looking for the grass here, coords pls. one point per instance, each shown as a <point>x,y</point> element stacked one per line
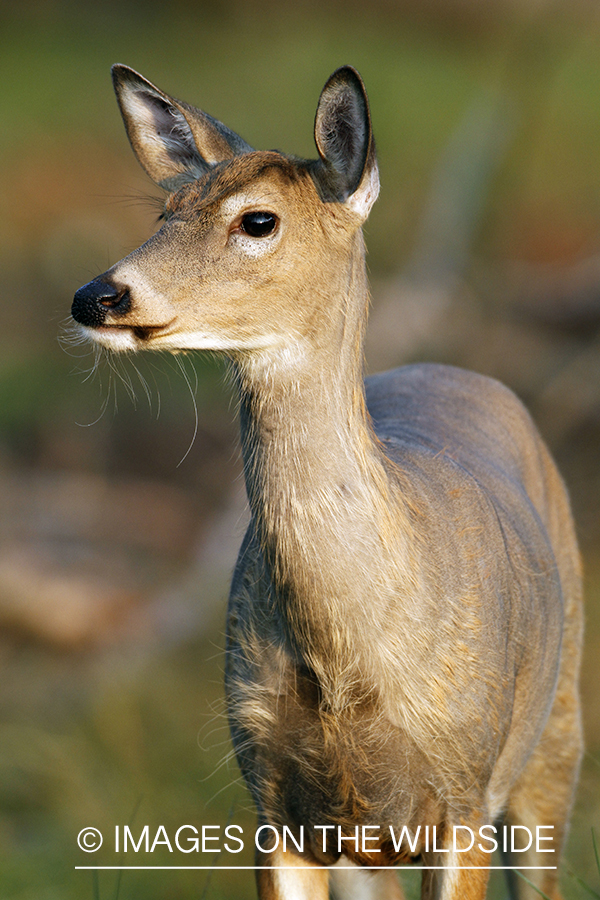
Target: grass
<point>140,740</point>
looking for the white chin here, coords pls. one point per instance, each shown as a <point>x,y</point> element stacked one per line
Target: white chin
<point>116,339</point>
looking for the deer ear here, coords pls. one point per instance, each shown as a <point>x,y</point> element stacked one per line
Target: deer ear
<point>175,143</point>
<point>347,169</point>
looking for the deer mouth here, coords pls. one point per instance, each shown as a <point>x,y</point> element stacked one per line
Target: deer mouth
<point>121,338</point>
<point>141,332</point>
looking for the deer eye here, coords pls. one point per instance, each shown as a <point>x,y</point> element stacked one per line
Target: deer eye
<point>259,224</point>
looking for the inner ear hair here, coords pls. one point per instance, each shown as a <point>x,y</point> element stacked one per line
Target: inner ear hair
<point>343,133</point>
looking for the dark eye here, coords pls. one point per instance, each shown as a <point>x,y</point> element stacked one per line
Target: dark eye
<point>259,224</point>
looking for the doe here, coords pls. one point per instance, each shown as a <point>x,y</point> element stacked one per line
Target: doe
<point>404,624</point>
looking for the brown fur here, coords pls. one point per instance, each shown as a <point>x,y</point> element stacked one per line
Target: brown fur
<point>404,625</point>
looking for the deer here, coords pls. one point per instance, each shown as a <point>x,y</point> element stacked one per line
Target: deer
<point>405,617</point>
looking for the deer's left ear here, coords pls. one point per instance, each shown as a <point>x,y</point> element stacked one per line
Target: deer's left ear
<point>347,169</point>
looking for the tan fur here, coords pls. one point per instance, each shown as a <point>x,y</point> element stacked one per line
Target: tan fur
<point>404,626</point>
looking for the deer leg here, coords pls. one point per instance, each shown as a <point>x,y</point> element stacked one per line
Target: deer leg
<point>290,877</point>
<point>543,795</point>
<point>464,877</point>
<point>353,883</point>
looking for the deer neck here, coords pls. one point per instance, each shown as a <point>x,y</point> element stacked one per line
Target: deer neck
<point>318,484</point>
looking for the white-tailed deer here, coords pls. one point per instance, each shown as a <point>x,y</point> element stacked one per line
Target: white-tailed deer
<point>404,624</point>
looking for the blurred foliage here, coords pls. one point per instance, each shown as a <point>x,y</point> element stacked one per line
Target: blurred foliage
<point>89,734</point>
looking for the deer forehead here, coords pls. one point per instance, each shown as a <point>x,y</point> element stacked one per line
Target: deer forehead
<point>259,181</point>
<point>263,198</point>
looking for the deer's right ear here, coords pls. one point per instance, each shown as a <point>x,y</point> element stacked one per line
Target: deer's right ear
<point>175,143</point>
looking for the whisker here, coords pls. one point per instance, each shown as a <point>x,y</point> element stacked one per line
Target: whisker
<point>144,384</point>
<point>192,391</point>
<point>230,784</point>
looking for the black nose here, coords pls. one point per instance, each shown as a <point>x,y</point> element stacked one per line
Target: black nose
<point>92,302</point>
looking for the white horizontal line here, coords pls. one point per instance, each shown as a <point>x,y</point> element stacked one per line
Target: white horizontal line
<point>408,868</point>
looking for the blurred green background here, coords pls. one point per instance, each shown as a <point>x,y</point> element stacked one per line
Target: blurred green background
<point>120,509</point>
